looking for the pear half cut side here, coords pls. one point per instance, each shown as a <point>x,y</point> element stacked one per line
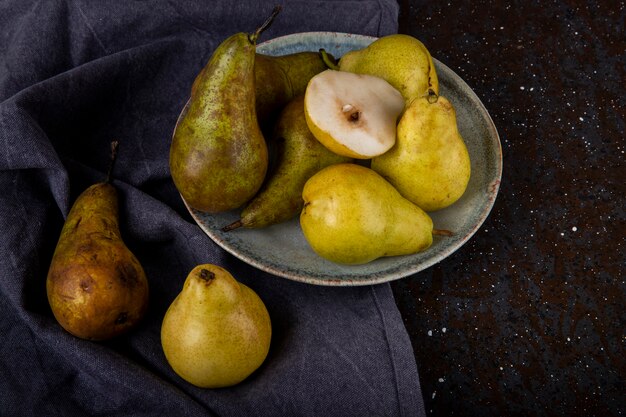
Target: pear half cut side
<point>352,115</point>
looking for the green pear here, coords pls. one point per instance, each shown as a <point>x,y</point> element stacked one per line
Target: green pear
<point>217,331</point>
<point>278,79</point>
<point>299,156</point>
<point>429,164</point>
<point>96,287</point>
<point>218,156</point>
<point>401,60</point>
<point>351,215</point>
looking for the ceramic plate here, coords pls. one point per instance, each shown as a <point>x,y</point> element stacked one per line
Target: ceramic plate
<point>282,249</point>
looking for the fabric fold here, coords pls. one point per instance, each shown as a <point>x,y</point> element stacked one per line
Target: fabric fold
<point>84,74</point>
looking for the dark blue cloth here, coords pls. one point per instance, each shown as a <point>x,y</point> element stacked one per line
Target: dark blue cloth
<point>75,75</point>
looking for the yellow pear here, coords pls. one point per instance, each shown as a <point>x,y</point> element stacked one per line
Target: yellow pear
<point>429,164</point>
<point>402,60</point>
<point>217,331</point>
<point>351,215</point>
<point>353,115</point>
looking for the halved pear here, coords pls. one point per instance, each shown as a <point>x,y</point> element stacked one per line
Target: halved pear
<point>352,115</point>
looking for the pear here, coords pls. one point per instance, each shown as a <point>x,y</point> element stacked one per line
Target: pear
<point>279,79</point>
<point>218,156</point>
<point>353,115</point>
<point>217,331</point>
<point>299,156</point>
<point>429,164</point>
<point>351,215</point>
<point>96,287</point>
<point>402,60</point>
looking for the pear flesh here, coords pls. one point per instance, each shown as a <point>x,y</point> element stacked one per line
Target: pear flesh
<point>96,287</point>
<point>402,60</point>
<point>429,164</point>
<point>351,215</point>
<point>353,115</point>
<point>217,331</point>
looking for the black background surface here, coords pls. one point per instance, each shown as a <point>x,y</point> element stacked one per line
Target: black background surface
<point>528,317</point>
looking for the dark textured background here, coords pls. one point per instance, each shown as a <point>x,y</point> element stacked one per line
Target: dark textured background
<point>528,317</point>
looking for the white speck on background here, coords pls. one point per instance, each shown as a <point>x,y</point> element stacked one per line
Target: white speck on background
<point>434,393</point>
<point>430,333</point>
<point>440,379</point>
<point>574,228</point>
<point>444,329</point>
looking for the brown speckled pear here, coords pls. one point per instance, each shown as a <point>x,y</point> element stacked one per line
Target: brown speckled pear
<point>218,157</point>
<point>217,331</point>
<point>299,156</point>
<point>96,287</point>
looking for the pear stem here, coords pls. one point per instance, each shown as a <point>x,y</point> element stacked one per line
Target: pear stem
<point>442,232</point>
<point>330,63</point>
<point>234,225</point>
<point>114,145</point>
<point>432,96</point>
<point>254,36</point>
<point>206,275</point>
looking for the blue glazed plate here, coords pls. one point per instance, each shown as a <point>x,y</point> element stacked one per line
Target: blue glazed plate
<point>282,249</point>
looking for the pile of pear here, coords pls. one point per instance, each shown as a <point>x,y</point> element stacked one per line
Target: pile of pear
<point>362,150</point>
<point>405,134</point>
<point>274,137</point>
<point>424,156</point>
<point>234,125</point>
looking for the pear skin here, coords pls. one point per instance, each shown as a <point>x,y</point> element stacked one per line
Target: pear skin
<point>402,60</point>
<point>278,79</point>
<point>299,156</point>
<point>218,156</point>
<point>96,287</point>
<point>351,215</point>
<point>217,331</point>
<point>429,164</point>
